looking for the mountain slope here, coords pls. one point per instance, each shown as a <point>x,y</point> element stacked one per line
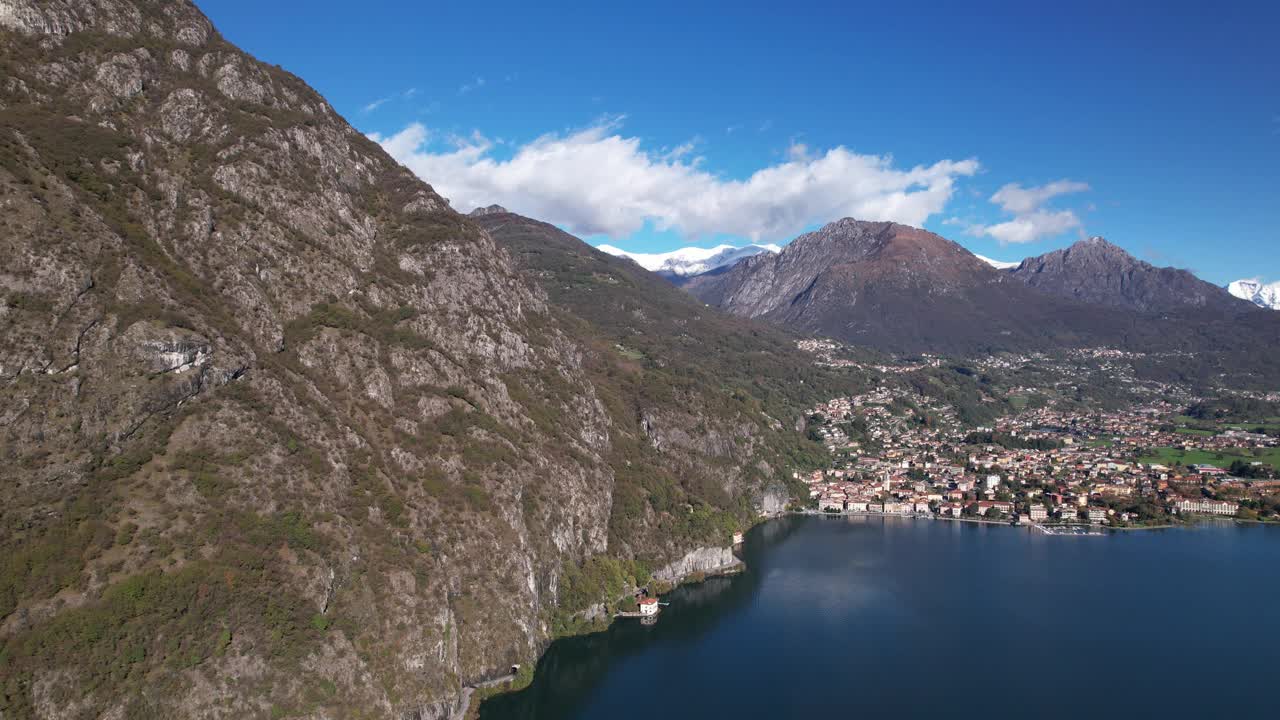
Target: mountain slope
<point>1254,291</point>
<point>718,398</point>
<point>282,433</point>
<point>656,325</point>
<point>1096,271</point>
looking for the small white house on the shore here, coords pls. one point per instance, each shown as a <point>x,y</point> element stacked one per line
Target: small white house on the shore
<point>648,606</point>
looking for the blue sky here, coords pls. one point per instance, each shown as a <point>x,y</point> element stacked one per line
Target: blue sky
<point>1011,128</point>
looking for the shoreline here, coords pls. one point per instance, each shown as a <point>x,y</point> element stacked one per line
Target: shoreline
<point>739,567</point>
<point>1034,526</point>
<point>909,516</point>
<point>812,546</point>
<point>468,692</point>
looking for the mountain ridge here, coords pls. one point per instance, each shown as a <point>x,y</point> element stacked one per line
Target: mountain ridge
<point>1099,272</point>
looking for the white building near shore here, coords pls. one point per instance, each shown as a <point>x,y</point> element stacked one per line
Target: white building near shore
<point>1206,506</point>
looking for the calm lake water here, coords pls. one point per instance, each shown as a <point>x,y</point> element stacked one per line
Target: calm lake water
<point>875,617</point>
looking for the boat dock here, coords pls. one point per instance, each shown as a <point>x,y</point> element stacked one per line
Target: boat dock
<point>1071,530</point>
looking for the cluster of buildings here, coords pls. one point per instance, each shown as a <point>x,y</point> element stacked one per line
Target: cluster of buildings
<point>1039,466</point>
<point>1074,369</point>
<point>828,354</point>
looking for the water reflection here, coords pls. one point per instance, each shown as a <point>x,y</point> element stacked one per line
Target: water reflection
<point>915,618</point>
<point>572,667</point>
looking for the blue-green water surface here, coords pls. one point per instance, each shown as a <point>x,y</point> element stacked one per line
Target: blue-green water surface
<point>888,617</point>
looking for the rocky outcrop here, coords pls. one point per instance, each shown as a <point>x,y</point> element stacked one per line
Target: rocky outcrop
<point>773,501</point>
<point>703,561</point>
<point>490,210</point>
<point>121,18</point>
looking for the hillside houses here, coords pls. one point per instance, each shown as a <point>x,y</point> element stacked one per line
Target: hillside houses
<point>1042,466</point>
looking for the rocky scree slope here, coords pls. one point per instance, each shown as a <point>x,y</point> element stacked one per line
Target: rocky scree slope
<point>281,433</point>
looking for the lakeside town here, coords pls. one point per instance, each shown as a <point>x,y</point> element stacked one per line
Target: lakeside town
<point>900,453</point>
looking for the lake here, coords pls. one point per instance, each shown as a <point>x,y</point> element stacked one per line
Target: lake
<point>875,617</point>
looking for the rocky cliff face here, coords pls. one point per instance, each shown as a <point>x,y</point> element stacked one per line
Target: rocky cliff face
<point>1098,272</point>
<point>281,432</point>
<point>682,372</point>
<point>702,561</point>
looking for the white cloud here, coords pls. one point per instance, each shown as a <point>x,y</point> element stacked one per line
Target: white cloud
<point>798,151</point>
<point>1015,199</point>
<point>473,85</point>
<point>375,105</point>
<point>1031,226</point>
<point>598,181</point>
<point>1031,221</point>
<point>406,95</point>
<point>682,150</point>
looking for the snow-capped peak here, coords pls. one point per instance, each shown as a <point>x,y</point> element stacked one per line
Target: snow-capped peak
<point>997,264</point>
<point>1253,290</point>
<point>691,260</point>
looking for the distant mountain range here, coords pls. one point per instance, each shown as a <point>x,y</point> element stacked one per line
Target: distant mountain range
<point>997,264</point>
<point>690,261</point>
<point>903,289</point>
<point>1265,296</point>
<point>1076,272</point>
<point>888,286</point>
